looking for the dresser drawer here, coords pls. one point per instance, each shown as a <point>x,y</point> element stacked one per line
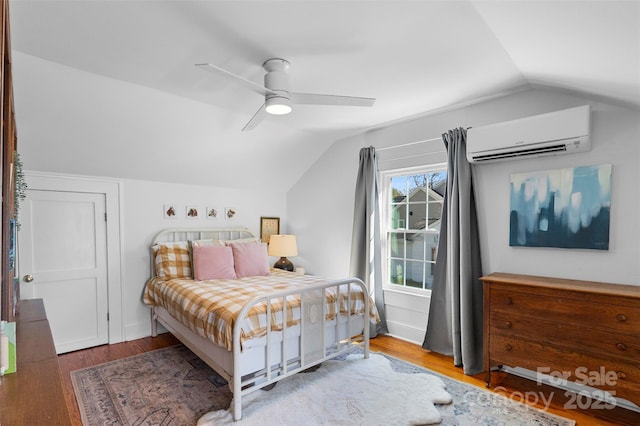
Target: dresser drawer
<point>569,336</point>
<point>581,368</point>
<point>616,318</point>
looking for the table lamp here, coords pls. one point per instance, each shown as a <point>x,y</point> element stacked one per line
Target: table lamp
<point>283,246</point>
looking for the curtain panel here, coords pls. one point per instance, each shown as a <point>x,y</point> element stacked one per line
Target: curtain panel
<point>454,325</point>
<point>365,242</point>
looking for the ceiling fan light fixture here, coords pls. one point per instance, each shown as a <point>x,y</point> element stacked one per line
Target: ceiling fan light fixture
<point>278,105</point>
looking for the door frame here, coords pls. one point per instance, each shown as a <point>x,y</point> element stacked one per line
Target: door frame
<point>111,189</point>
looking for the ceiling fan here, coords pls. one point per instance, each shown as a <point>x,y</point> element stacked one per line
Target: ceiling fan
<point>278,98</point>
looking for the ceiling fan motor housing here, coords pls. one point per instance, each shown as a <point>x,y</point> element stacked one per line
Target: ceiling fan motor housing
<point>277,80</point>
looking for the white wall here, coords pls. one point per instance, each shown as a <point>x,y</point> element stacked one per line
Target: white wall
<point>320,205</point>
<point>141,218</point>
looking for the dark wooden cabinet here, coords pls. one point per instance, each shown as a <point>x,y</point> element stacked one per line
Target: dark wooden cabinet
<point>33,395</point>
<point>589,329</point>
<point>8,145</point>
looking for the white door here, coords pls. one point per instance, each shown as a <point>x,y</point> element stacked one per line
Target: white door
<point>63,260</point>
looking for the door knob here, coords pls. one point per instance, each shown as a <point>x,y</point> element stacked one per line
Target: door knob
<point>28,278</point>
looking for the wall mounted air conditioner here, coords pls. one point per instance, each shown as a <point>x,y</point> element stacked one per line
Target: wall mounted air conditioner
<point>560,132</point>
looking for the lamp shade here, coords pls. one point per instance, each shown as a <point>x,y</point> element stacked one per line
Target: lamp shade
<point>283,245</point>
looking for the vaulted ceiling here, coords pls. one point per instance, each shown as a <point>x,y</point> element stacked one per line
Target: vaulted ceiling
<point>414,57</point>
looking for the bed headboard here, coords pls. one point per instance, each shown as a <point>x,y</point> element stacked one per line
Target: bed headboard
<point>190,234</point>
<point>186,234</point>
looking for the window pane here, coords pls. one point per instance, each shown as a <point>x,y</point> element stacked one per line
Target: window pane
<point>415,273</point>
<point>417,181</point>
<point>398,188</point>
<point>431,241</point>
<point>417,215</point>
<point>438,182</point>
<point>435,210</point>
<point>412,184</point>
<point>398,216</point>
<point>396,272</point>
<point>415,246</point>
<point>396,244</point>
<point>429,275</point>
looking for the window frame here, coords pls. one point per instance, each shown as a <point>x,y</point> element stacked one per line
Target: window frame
<point>385,195</point>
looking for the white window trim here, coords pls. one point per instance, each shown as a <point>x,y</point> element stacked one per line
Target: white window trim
<point>385,201</point>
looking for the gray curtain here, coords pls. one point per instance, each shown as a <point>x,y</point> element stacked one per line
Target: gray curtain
<point>365,240</point>
<point>454,326</point>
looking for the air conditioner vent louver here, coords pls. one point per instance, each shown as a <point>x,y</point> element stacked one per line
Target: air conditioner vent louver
<point>555,133</point>
<point>523,153</point>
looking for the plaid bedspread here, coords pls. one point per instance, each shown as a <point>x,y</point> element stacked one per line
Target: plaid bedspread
<point>210,308</point>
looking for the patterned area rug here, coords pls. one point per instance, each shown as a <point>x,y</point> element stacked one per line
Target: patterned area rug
<point>172,386</point>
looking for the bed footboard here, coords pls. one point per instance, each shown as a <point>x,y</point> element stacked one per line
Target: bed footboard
<point>313,347</point>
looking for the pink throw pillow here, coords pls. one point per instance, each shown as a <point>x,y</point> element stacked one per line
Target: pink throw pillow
<point>213,262</point>
<point>250,259</point>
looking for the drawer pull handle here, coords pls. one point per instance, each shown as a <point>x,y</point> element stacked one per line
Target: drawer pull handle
<point>621,346</point>
<point>621,375</point>
<point>508,347</point>
<point>621,317</point>
<point>509,301</point>
<point>509,325</point>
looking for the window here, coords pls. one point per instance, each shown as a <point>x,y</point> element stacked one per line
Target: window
<point>412,204</point>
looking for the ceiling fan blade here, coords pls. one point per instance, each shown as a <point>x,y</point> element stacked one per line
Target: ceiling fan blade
<point>256,119</point>
<point>246,83</point>
<point>316,99</point>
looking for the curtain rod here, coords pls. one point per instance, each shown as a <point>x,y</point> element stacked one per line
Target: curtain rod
<point>408,144</point>
<point>425,154</point>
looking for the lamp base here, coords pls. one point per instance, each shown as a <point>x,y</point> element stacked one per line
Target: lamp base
<point>284,263</point>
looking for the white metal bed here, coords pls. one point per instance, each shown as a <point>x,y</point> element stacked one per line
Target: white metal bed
<point>262,361</point>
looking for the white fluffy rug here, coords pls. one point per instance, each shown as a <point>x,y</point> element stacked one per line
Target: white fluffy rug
<point>353,392</point>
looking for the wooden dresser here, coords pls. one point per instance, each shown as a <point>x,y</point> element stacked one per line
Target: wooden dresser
<point>590,330</point>
<point>33,395</point>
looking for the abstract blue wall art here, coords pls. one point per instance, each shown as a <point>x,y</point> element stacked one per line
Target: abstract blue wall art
<point>566,208</point>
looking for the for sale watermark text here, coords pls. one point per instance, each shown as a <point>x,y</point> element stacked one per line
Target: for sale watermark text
<point>584,397</point>
<point>581,376</point>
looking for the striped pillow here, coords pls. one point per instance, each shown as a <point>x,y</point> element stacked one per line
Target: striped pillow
<point>173,260</point>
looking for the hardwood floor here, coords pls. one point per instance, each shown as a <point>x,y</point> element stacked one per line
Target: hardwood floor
<point>504,384</point>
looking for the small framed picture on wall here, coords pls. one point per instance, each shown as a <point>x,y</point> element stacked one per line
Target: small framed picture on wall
<point>192,212</point>
<point>229,213</point>
<point>212,213</point>
<point>169,211</point>
<point>269,226</point>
